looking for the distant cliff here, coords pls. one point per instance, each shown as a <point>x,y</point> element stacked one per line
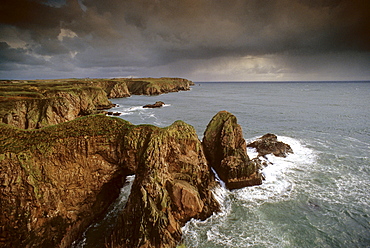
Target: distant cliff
<point>55,181</point>
<point>39,103</point>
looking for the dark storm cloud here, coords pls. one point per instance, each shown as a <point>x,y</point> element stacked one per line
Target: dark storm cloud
<point>178,37</point>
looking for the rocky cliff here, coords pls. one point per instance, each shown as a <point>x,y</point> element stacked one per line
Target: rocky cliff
<point>39,103</point>
<point>56,180</point>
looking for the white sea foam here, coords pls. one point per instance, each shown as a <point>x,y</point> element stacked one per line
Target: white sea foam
<point>278,186</point>
<point>278,183</point>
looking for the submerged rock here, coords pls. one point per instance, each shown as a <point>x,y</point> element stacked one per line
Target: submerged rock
<point>268,144</point>
<point>225,149</point>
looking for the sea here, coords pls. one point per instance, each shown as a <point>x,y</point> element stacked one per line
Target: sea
<point>319,196</point>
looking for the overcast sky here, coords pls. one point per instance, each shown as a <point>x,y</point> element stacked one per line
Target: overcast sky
<point>201,40</point>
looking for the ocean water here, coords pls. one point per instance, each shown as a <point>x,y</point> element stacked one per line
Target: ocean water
<point>317,197</point>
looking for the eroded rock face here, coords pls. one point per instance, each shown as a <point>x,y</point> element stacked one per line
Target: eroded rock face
<point>40,103</point>
<point>56,180</point>
<point>225,149</point>
<point>268,144</point>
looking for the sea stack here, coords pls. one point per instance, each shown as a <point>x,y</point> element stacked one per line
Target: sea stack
<point>225,149</point>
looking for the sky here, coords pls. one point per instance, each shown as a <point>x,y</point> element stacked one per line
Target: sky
<point>201,40</point>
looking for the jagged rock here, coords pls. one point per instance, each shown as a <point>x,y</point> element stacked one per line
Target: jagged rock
<point>225,149</point>
<point>55,181</point>
<point>114,89</point>
<point>268,144</point>
<point>155,105</point>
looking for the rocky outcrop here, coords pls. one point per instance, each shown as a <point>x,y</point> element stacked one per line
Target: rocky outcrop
<point>155,105</point>
<point>268,144</point>
<point>225,149</point>
<point>56,180</point>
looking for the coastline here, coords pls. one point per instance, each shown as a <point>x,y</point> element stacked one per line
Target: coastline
<point>39,103</point>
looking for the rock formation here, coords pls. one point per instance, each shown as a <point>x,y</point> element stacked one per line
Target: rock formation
<point>268,144</point>
<point>155,105</point>
<point>225,149</point>
<point>56,180</point>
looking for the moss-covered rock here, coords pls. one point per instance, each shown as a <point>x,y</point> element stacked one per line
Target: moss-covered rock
<point>225,149</point>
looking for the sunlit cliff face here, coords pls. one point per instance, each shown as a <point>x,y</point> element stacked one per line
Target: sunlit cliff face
<point>201,40</point>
